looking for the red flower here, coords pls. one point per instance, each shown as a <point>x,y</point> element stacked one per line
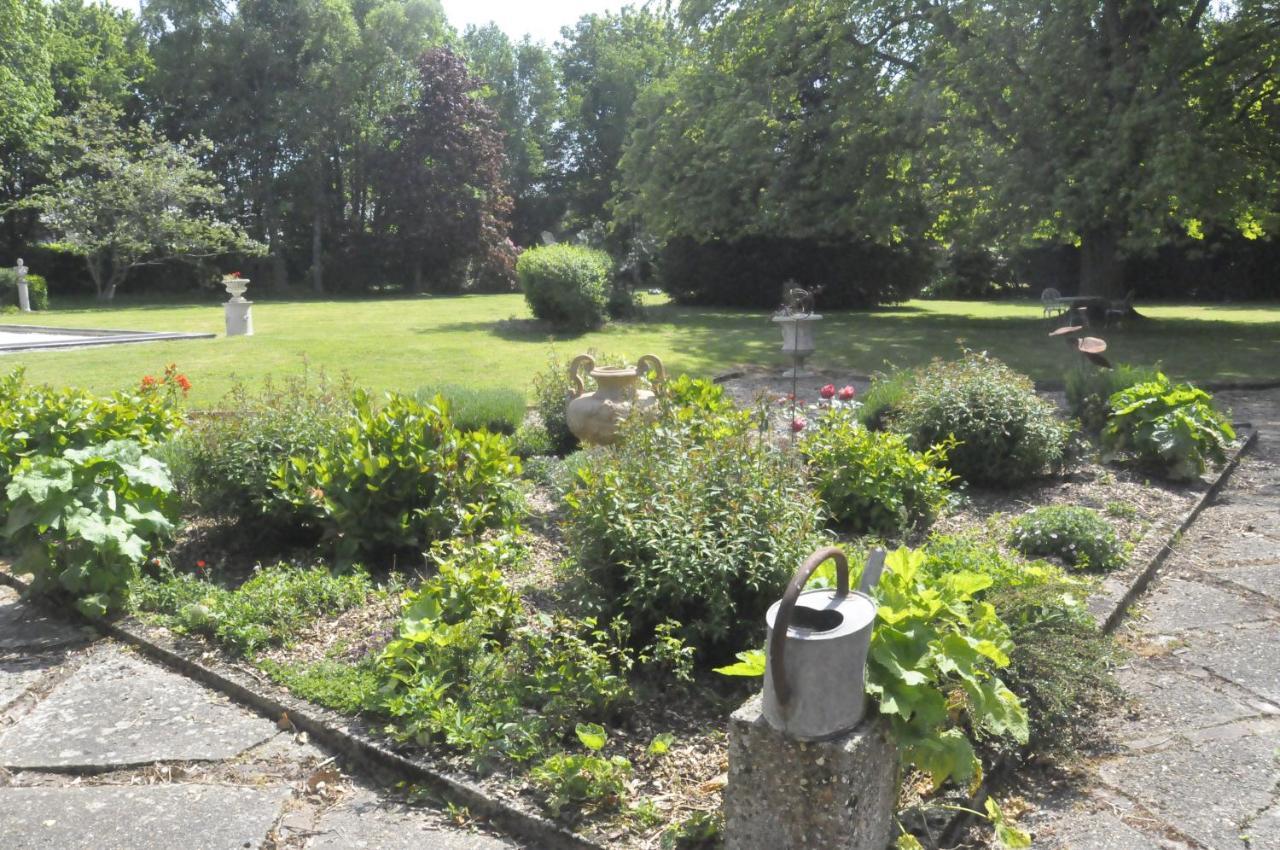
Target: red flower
<point>148,382</point>
<point>201,565</point>
<point>846,393</point>
<point>234,275</point>
<point>184,383</point>
<point>798,424</point>
<point>828,391</point>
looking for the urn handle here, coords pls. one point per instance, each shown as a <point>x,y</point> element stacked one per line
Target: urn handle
<point>778,640</point>
<point>577,366</point>
<point>655,366</point>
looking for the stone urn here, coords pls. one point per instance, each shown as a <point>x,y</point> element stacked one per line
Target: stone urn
<point>797,338</point>
<point>235,287</point>
<point>594,417</point>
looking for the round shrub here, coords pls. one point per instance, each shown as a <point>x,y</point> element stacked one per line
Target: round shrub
<point>1006,434</point>
<point>1078,536</point>
<point>702,531</point>
<point>566,285</point>
<point>872,481</point>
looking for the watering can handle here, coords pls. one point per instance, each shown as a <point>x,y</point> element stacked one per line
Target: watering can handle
<point>778,640</point>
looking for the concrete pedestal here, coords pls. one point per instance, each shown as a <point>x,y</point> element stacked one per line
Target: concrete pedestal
<point>239,318</point>
<point>790,795</point>
<point>24,296</point>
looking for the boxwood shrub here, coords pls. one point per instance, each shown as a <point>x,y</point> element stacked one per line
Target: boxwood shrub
<point>37,289</point>
<point>566,285</point>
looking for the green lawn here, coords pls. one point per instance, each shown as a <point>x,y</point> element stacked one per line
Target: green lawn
<point>402,343</point>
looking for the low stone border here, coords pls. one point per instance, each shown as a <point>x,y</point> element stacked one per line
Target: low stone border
<point>1109,608</point>
<point>85,337</point>
<point>332,730</point>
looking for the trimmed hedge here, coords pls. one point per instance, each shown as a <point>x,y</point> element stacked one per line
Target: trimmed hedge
<point>566,285</point>
<point>751,272</point>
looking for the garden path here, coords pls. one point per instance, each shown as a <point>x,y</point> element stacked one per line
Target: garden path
<point>1196,764</point>
<point>103,749</point>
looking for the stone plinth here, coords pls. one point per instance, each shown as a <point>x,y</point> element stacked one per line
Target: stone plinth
<point>239,318</point>
<point>788,795</point>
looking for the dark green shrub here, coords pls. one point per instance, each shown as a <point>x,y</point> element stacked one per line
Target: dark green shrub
<point>1006,433</point>
<point>1172,430</point>
<point>705,532</point>
<point>566,285</point>
<point>872,482</point>
<point>1077,536</point>
<point>400,477</point>
<point>749,272</point>
<point>1089,391</point>
<point>37,289</point>
<point>272,608</point>
<point>495,409</point>
<point>1061,667</point>
<point>85,520</point>
<point>225,462</point>
<point>532,440</point>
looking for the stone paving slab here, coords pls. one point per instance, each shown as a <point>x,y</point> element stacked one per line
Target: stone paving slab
<point>117,711</point>
<point>364,822</point>
<point>16,676</point>
<point>1208,788</point>
<point>1170,699</point>
<point>1248,655</point>
<point>1262,578</point>
<point>107,817</point>
<point>1177,605</point>
<point>1102,831</point>
<point>27,628</point>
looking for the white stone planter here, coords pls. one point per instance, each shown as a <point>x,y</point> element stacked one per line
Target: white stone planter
<point>797,339</point>
<point>235,287</point>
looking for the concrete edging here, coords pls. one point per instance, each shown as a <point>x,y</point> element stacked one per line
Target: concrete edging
<point>322,727</point>
<point>1138,583</point>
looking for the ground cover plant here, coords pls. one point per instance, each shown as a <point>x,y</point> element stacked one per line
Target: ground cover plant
<point>496,409</point>
<point>1173,430</point>
<point>403,343</point>
<point>1076,535</point>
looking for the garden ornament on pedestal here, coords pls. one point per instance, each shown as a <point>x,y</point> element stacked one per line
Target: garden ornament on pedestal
<point>594,417</point>
<point>24,294</point>
<point>239,312</point>
<point>796,318</point>
<point>816,651</point>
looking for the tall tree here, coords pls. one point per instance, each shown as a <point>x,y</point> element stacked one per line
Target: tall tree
<point>124,198</point>
<point>520,86</point>
<point>441,201</point>
<point>605,62</point>
<point>26,102</point>
<point>1082,122</point>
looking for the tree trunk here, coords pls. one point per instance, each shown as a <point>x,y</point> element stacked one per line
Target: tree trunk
<point>96,270</point>
<point>317,249</point>
<point>1101,272</point>
<point>417,276</point>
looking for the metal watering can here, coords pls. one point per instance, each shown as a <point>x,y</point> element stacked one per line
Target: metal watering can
<point>816,651</point>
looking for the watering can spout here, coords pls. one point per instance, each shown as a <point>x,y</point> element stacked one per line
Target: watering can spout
<point>872,571</point>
